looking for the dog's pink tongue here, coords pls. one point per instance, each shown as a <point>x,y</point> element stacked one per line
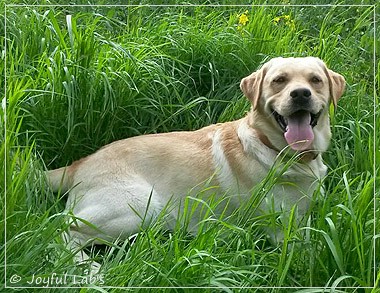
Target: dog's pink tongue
<point>299,134</point>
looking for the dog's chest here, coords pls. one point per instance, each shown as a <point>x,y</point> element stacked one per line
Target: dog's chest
<point>253,164</point>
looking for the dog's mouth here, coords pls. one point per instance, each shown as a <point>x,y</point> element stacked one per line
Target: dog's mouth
<point>298,128</point>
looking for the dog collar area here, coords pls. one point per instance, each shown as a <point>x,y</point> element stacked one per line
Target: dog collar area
<point>305,156</point>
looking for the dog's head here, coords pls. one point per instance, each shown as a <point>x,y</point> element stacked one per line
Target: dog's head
<point>290,101</point>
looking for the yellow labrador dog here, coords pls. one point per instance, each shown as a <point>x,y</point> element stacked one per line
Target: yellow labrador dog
<point>130,180</point>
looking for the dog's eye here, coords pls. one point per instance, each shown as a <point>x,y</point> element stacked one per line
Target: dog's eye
<point>279,79</point>
<point>316,79</point>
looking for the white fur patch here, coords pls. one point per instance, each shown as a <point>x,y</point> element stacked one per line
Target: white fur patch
<point>254,147</point>
<point>222,167</point>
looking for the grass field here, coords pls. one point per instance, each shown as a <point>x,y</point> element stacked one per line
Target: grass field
<point>79,77</point>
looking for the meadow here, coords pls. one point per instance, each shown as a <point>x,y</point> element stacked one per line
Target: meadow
<point>79,77</point>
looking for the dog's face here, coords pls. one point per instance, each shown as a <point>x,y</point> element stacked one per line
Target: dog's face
<point>291,98</point>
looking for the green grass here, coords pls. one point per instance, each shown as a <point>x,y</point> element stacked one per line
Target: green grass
<point>75,83</point>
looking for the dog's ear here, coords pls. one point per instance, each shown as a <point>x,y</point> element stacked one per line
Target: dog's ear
<point>251,86</point>
<point>337,85</point>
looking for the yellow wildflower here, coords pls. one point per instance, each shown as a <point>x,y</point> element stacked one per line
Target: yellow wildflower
<point>243,18</point>
<point>276,20</point>
<point>285,19</point>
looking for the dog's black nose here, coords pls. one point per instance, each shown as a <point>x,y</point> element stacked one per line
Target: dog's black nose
<point>301,98</point>
<point>300,93</point>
